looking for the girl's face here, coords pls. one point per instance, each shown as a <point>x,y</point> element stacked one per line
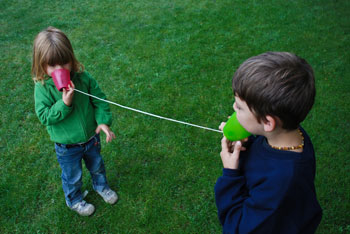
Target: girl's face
<point>50,69</point>
<point>246,118</point>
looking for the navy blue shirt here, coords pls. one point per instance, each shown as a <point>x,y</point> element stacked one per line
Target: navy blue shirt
<point>272,191</point>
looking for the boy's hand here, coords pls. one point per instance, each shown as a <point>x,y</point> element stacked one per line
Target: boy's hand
<point>230,152</point>
<point>222,125</point>
<point>67,95</point>
<point>109,134</point>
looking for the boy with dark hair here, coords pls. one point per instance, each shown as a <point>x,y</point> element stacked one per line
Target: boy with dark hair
<point>267,184</point>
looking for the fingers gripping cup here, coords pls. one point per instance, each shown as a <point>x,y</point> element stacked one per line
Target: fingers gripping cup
<point>61,78</point>
<point>234,131</point>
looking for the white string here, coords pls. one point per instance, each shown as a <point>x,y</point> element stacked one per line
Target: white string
<point>146,113</point>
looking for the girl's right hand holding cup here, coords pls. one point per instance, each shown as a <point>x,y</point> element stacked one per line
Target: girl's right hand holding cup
<point>67,95</point>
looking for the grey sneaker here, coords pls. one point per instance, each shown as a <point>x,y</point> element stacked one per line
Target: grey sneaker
<point>109,196</point>
<point>83,208</point>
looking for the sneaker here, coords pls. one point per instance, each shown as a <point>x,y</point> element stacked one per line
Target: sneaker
<point>83,208</point>
<point>109,196</point>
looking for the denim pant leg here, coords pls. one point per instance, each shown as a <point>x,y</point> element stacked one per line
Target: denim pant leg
<point>70,162</point>
<point>94,163</point>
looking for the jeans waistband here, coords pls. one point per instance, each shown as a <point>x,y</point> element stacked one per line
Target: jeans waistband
<point>78,144</point>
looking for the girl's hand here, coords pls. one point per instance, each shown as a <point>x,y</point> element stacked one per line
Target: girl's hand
<point>67,95</point>
<point>109,134</point>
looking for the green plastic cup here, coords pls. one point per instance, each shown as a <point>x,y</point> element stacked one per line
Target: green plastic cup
<point>234,131</point>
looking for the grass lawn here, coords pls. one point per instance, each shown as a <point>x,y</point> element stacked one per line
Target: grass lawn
<point>175,59</point>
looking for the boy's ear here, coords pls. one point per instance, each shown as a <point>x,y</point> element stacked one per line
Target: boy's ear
<point>269,123</point>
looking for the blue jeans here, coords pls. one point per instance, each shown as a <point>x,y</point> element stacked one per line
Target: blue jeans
<point>69,157</point>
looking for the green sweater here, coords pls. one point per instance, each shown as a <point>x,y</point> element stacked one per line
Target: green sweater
<point>77,123</point>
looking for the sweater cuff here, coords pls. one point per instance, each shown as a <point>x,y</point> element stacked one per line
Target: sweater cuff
<point>65,109</point>
<point>108,122</point>
<point>230,172</point>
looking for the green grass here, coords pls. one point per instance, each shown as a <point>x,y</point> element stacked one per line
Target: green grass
<point>176,59</point>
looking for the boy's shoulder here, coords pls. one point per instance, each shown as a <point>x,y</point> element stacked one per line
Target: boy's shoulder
<point>261,145</point>
<point>279,165</point>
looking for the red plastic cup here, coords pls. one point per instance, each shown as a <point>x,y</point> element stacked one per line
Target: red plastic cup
<point>61,78</point>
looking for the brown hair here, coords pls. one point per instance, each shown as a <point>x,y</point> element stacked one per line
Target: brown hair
<point>279,84</point>
<point>52,47</point>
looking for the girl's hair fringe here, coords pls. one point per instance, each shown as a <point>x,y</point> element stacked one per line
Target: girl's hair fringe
<point>52,47</point>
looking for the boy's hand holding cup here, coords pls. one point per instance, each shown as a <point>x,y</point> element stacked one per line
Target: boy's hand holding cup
<point>231,143</point>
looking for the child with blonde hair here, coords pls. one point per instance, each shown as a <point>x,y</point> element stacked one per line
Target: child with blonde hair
<point>73,120</point>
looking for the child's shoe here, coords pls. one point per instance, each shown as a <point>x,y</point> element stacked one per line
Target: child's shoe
<point>109,196</point>
<point>83,208</point>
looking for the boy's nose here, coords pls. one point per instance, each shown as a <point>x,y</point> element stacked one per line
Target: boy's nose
<point>234,106</point>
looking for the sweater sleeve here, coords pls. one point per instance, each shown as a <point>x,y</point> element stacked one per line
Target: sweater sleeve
<point>245,211</point>
<point>102,111</point>
<point>48,110</point>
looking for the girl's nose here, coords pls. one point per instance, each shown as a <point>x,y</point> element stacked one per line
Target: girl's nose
<point>58,67</point>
